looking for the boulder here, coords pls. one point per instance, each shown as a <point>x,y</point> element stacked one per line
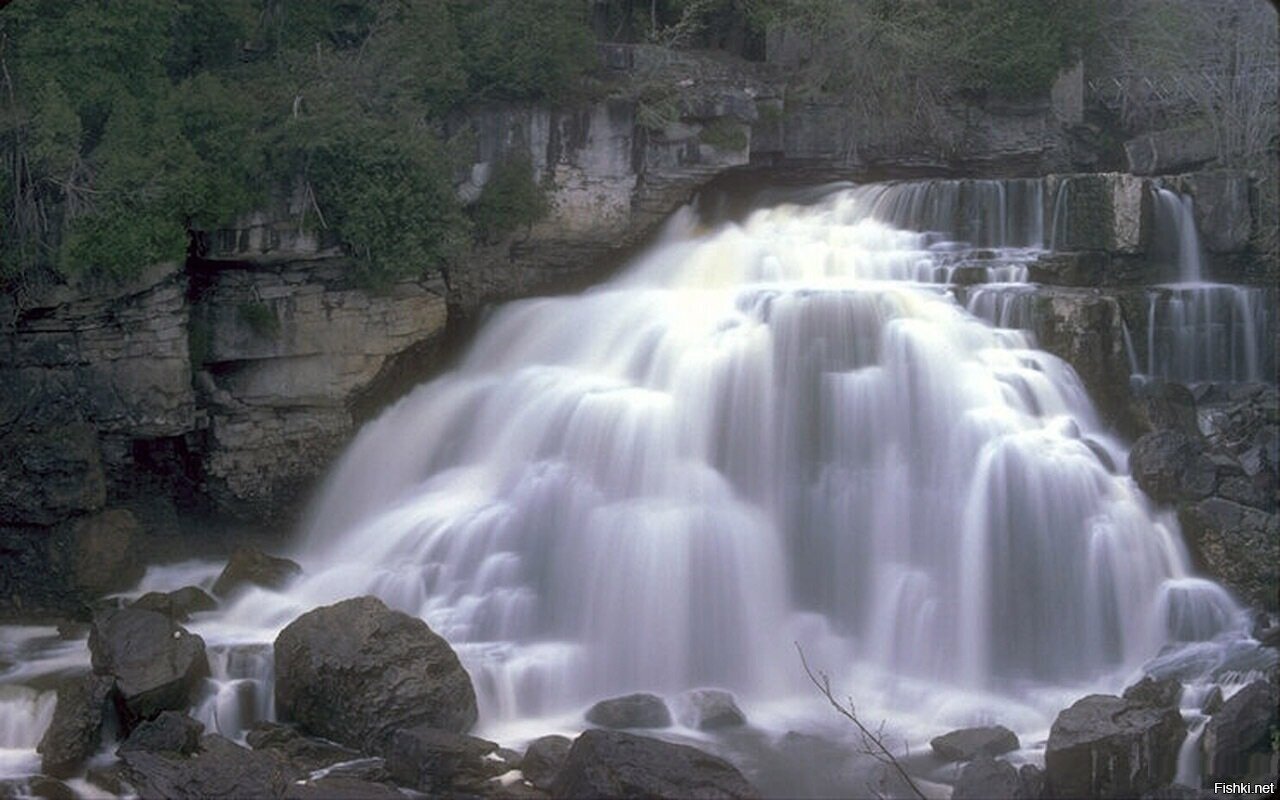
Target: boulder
<point>1030,782</point>
<point>638,710</point>
<point>249,566</point>
<point>356,671</point>
<point>436,761</point>
<point>1110,747</point>
<point>1236,544</point>
<point>710,709</point>
<point>170,732</point>
<point>967,744</point>
<point>613,764</point>
<point>337,787</point>
<point>220,768</point>
<point>157,664</point>
<point>76,730</point>
<point>102,552</point>
<point>1212,701</point>
<point>305,752</point>
<point>40,787</point>
<point>1153,692</point>
<point>1170,466</point>
<point>986,778</point>
<point>543,760</point>
<point>1240,729</point>
<point>179,604</point>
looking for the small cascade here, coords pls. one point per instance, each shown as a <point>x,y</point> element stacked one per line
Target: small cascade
<point>1176,241</point>
<point>984,213</point>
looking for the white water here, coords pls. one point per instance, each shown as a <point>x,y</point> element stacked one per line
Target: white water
<point>784,430</point>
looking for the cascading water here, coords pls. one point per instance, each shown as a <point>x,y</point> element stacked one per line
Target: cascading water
<point>783,430</point>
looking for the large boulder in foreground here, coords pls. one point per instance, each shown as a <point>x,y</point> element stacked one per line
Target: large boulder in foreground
<point>220,768</point>
<point>1240,731</point>
<point>157,664</point>
<point>613,764</point>
<point>356,671</point>
<point>1105,746</point>
<point>76,730</point>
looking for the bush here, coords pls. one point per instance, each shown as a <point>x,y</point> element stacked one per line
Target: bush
<point>510,199</point>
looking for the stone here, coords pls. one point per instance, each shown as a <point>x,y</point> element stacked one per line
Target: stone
<point>1160,461</point>
<point>1159,693</point>
<point>967,744</point>
<point>436,761</point>
<point>1222,209</point>
<point>1030,782</point>
<point>1109,747</point>
<point>76,730</point>
<point>640,710</point>
<point>356,671</point>
<point>170,732</point>
<point>1171,150</point>
<point>179,604</point>
<point>986,778</point>
<point>341,788</point>
<point>1212,701</point>
<point>543,760</point>
<point>1236,544</point>
<point>157,664</point>
<point>103,559</point>
<point>219,768</point>
<point>1239,729</point>
<point>612,764</point>
<point>306,752</point>
<point>249,566</point>
<point>1070,269</point>
<point>50,473</point>
<point>710,709</point>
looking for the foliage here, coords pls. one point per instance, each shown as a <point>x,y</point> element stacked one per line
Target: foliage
<point>510,199</point>
<point>724,134</point>
<point>523,49</point>
<point>259,317</point>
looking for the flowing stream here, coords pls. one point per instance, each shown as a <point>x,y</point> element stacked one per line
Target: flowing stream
<point>779,430</point>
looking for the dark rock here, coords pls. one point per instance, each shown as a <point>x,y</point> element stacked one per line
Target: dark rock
<point>630,711</point>
<point>543,760</point>
<point>1158,693</point>
<point>108,778</point>
<point>710,709</point>
<point>1212,701</point>
<point>1167,466</point>
<point>437,761</point>
<point>307,753</point>
<point>170,732</point>
<point>102,553</point>
<point>340,788</point>
<point>179,604</point>
<point>612,764</point>
<point>1239,729</point>
<point>157,664</point>
<point>1070,269</point>
<point>1104,746</point>
<point>249,566</point>
<point>970,743</point>
<point>76,729</point>
<point>1170,150</point>
<point>220,768</point>
<point>986,778</point>
<point>50,473</point>
<point>356,671</point>
<point>46,788</point>
<point>1236,544</point>
<point>1030,782</point>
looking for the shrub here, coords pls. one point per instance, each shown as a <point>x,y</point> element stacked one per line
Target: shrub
<point>510,199</point>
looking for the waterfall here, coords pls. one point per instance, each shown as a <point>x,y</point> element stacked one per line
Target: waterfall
<point>1176,240</point>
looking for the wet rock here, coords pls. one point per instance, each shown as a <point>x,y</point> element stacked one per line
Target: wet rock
<point>249,566</point>
<point>179,604</point>
<point>543,760</point>
<point>613,764</point>
<point>157,664</point>
<point>76,730</point>
<point>1168,467</point>
<point>1236,544</point>
<point>220,768</point>
<point>970,743</point>
<point>1212,701</point>
<point>1240,729</point>
<point>986,778</point>
<point>1030,782</point>
<point>170,732</point>
<point>1153,692</point>
<point>710,709</point>
<point>1109,747</point>
<point>51,473</point>
<point>1070,269</point>
<point>638,710</point>
<point>340,788</point>
<point>356,671</point>
<point>436,761</point>
<point>39,786</point>
<point>307,753</point>
<point>102,552</point>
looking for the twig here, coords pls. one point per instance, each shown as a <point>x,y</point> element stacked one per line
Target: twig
<point>873,742</point>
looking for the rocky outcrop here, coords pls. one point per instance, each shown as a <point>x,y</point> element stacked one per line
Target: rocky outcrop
<point>970,743</point>
<point>220,768</point>
<point>612,764</point>
<point>355,672</point>
<point>76,730</point>
<point>1237,738</point>
<point>1104,746</point>
<point>1172,150</point>
<point>630,711</point>
<point>439,762</point>
<point>306,752</point>
<point>156,663</point>
<point>987,778</point>
<point>170,732</point>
